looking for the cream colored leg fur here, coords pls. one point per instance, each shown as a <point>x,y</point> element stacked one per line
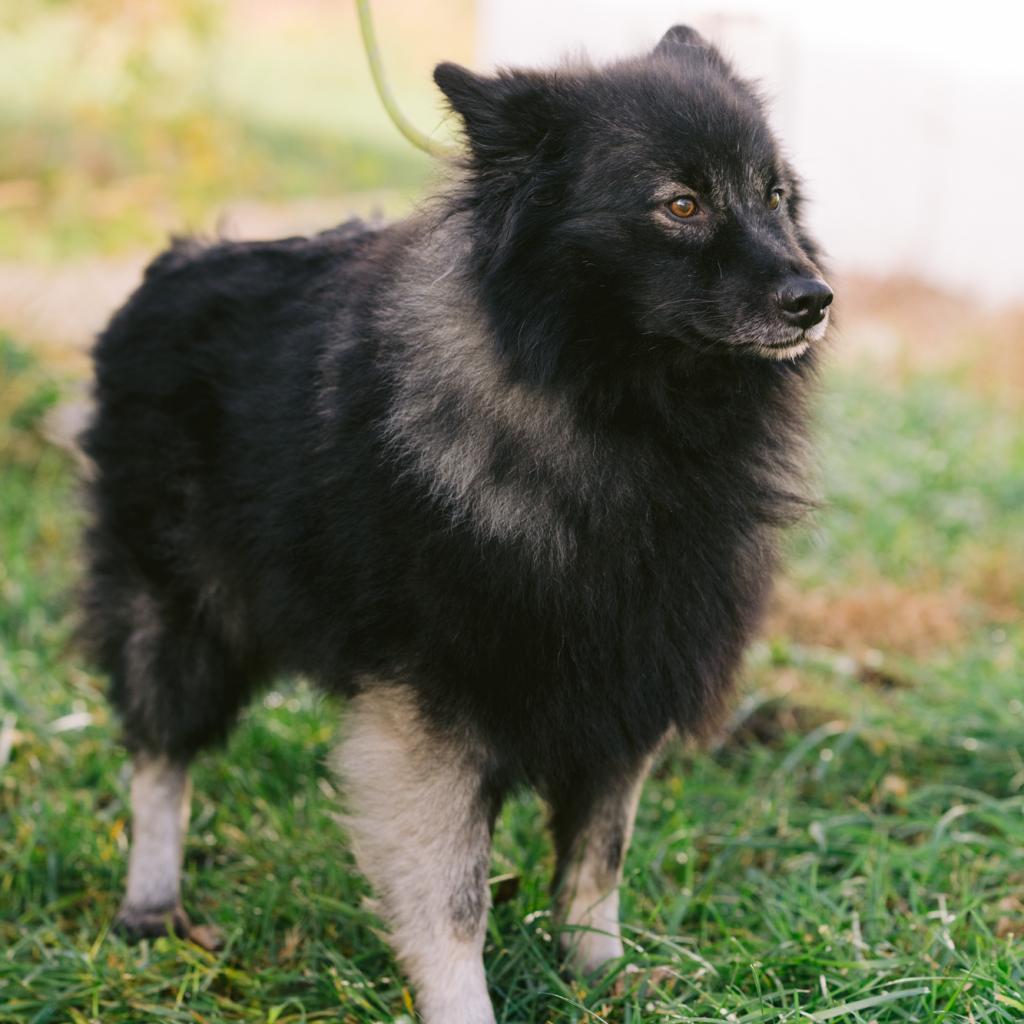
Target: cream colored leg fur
<point>588,897</point>
<point>421,835</point>
<point>160,796</point>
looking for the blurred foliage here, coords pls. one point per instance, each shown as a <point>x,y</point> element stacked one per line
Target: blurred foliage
<point>123,121</point>
<point>27,394</point>
<point>87,139</point>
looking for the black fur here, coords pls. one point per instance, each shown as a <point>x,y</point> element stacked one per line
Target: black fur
<point>255,511</point>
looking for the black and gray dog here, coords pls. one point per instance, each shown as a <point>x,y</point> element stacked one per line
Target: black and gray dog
<point>507,475</point>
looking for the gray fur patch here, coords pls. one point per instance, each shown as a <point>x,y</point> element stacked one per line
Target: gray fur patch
<point>470,903</point>
<point>456,404</point>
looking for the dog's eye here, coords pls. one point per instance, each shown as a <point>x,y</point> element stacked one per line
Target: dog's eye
<point>775,199</point>
<point>683,207</point>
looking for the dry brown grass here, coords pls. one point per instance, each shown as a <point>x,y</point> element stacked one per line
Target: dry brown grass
<point>918,620</point>
<point>909,327</point>
<point>995,578</point>
<point>872,616</point>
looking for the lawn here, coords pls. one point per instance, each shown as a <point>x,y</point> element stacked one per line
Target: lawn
<point>851,848</point>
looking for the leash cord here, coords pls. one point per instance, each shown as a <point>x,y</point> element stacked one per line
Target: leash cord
<point>406,127</point>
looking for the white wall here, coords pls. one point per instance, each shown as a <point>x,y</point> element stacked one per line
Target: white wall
<point>906,118</point>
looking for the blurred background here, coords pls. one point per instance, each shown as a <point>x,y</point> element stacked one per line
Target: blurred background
<point>885,700</point>
<point>124,122</point>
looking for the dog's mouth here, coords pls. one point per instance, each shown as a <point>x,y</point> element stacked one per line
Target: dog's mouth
<point>795,345</point>
<point>784,349</point>
<point>765,341</point>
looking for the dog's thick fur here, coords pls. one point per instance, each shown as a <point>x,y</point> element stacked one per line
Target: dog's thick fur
<point>506,474</point>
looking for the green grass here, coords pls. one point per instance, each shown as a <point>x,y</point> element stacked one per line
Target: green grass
<point>865,866</point>
<point>918,473</point>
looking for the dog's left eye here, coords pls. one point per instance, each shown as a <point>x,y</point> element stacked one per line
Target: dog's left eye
<point>775,199</point>
<point>683,207</point>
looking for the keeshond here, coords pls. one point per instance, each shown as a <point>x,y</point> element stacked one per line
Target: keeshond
<point>506,475</point>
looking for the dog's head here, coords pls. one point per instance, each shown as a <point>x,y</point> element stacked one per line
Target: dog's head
<point>653,191</point>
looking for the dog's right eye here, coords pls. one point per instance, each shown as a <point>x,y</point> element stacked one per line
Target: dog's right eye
<point>683,207</point>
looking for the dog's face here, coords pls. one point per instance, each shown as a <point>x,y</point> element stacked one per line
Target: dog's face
<point>657,184</point>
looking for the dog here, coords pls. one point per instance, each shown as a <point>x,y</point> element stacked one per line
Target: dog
<point>507,475</point>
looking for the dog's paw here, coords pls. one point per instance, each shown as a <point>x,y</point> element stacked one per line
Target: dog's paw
<point>136,923</point>
<point>588,953</point>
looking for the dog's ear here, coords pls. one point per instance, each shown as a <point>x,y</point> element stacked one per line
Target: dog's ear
<point>510,115</point>
<point>681,42</point>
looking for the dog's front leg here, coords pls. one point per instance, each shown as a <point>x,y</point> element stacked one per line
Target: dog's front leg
<point>160,796</point>
<point>420,817</point>
<point>592,831</point>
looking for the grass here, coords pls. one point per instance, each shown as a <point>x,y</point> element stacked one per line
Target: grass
<point>851,850</point>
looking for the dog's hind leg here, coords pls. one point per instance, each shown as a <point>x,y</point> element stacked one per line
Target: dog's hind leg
<point>176,691</point>
<point>419,814</point>
<point>591,839</point>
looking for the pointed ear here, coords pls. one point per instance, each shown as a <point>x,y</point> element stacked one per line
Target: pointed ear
<point>681,42</point>
<point>509,115</point>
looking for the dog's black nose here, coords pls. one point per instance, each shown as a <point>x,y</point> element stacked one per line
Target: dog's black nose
<point>803,300</point>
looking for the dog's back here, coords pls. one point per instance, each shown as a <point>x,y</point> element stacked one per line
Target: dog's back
<point>199,378</point>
